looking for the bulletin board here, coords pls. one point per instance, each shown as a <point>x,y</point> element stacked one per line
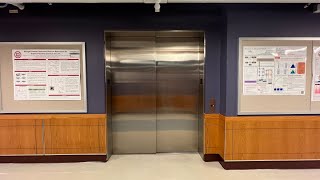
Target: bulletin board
<point>315,82</point>
<point>43,77</point>
<point>277,76</point>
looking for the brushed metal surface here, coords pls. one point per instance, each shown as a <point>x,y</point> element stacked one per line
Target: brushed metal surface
<point>177,93</point>
<point>156,90</point>
<point>133,94</point>
<point>201,95</point>
<point>108,95</point>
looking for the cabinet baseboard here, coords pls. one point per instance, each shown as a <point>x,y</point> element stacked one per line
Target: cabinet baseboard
<point>53,159</point>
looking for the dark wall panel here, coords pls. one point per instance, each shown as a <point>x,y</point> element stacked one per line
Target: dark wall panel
<point>223,67</point>
<point>212,69</point>
<point>223,25</point>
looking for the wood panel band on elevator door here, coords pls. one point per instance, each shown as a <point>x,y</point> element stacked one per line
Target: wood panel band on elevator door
<point>53,134</point>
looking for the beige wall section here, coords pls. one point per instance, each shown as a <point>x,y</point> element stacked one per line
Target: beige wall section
<point>7,91</point>
<point>53,134</point>
<point>275,104</point>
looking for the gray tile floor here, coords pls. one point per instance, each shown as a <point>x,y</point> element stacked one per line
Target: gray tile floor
<point>147,167</point>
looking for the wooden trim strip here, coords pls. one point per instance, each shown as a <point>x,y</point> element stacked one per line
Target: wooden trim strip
<point>210,116</point>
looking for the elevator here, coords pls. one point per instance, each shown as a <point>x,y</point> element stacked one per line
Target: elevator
<point>154,90</point>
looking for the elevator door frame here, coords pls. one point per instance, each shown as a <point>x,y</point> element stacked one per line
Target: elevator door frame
<point>201,88</point>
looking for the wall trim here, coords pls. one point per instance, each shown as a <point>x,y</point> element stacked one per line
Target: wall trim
<point>270,165</point>
<point>53,159</point>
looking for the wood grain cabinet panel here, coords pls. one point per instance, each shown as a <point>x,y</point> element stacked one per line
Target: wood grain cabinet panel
<point>265,138</point>
<point>17,136</point>
<point>273,138</point>
<point>267,141</point>
<point>228,147</point>
<point>52,134</point>
<point>214,134</point>
<point>103,136</point>
<point>75,135</point>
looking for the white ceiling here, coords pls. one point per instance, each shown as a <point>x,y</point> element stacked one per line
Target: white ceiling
<point>169,1</point>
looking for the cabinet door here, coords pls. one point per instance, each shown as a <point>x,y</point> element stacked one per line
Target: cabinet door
<point>214,134</point>
<point>75,135</point>
<point>18,136</point>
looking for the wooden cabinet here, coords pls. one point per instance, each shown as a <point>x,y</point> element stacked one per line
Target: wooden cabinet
<point>267,138</point>
<point>272,138</point>
<point>17,136</point>
<point>73,135</point>
<point>52,134</point>
<point>214,134</point>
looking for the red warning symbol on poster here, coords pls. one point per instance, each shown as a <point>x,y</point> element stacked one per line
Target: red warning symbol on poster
<point>17,54</point>
<point>301,68</point>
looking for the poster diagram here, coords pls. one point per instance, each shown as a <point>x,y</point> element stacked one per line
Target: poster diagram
<point>315,95</point>
<point>46,74</point>
<point>274,70</point>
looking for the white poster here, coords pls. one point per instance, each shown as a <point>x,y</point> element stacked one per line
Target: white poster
<point>315,95</point>
<point>274,70</point>
<point>46,74</point>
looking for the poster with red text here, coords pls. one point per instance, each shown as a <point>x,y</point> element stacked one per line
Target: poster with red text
<point>46,74</point>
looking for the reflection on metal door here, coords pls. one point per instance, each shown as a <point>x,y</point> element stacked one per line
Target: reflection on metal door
<point>177,93</point>
<point>155,91</point>
<point>133,93</point>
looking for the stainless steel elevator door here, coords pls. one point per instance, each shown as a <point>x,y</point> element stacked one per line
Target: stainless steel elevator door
<point>177,93</point>
<point>155,91</point>
<point>133,94</point>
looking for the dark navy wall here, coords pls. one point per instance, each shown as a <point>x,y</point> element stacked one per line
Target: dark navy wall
<point>261,21</point>
<point>223,25</point>
<point>223,65</point>
<point>87,23</point>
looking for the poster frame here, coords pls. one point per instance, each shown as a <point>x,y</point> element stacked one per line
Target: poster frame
<point>239,69</point>
<point>82,74</point>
